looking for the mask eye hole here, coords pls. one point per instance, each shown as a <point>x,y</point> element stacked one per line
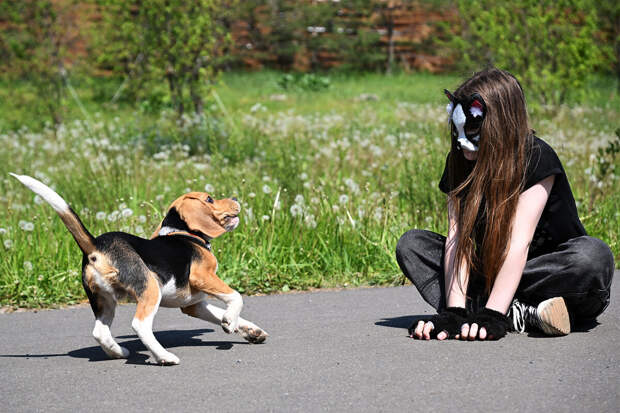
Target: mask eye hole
<point>209,199</point>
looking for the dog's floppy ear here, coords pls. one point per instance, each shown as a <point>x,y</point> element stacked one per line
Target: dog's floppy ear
<point>198,217</point>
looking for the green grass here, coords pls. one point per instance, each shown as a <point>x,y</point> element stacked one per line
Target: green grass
<point>350,176</point>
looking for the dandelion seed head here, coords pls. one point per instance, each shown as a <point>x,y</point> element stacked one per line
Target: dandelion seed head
<point>310,221</point>
<point>296,210</point>
<point>26,225</point>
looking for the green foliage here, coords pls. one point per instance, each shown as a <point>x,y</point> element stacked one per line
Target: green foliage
<point>549,45</point>
<point>306,81</point>
<point>33,47</point>
<point>609,20</point>
<point>177,42</point>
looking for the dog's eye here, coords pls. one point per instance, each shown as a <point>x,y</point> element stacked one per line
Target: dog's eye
<point>209,200</point>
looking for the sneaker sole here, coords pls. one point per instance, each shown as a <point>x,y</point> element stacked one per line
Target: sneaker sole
<point>554,316</point>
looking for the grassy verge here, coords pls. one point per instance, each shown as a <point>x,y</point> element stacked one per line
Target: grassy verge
<point>328,180</point>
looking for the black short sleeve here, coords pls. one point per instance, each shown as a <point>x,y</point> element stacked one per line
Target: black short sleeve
<point>543,162</point>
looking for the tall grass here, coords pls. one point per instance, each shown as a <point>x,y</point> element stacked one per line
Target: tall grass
<point>328,180</point>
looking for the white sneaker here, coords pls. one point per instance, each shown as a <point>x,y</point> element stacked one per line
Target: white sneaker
<point>550,316</point>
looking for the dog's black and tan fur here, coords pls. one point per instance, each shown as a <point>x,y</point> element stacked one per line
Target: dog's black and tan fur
<point>175,268</point>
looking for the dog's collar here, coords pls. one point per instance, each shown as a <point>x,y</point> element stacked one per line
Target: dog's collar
<point>175,231</point>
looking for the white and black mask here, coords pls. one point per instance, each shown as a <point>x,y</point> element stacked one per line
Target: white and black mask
<point>466,115</point>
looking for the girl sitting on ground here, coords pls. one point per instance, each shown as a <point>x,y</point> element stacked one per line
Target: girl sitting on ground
<point>516,257</point>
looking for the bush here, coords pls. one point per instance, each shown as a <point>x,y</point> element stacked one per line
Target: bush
<point>549,45</point>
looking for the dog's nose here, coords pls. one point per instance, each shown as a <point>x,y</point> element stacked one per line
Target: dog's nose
<point>234,198</point>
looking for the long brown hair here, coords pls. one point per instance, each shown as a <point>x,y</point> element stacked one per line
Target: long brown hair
<point>485,199</point>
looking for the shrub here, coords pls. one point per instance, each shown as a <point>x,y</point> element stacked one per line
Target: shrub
<point>549,45</point>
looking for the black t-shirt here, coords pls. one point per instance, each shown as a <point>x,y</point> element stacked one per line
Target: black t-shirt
<point>559,221</point>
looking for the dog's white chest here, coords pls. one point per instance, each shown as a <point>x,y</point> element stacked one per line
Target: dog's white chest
<point>173,297</point>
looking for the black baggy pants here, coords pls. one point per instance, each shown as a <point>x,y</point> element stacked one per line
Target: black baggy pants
<point>580,271</point>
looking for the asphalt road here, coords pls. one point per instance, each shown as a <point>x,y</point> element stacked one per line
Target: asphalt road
<point>328,351</point>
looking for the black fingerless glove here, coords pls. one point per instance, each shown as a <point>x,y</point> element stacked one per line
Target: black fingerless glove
<point>495,323</point>
<point>449,319</point>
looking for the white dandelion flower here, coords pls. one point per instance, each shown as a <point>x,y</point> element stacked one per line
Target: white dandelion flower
<point>303,176</point>
<point>209,188</point>
<point>299,199</point>
<point>126,213</point>
<point>26,226</point>
<point>8,243</point>
<point>3,231</point>
<point>310,221</point>
<point>100,216</point>
<point>27,266</point>
<point>343,199</point>
<point>139,229</point>
<point>266,189</point>
<point>142,219</point>
<point>38,200</point>
<point>265,218</point>
<point>252,195</point>
<point>296,210</point>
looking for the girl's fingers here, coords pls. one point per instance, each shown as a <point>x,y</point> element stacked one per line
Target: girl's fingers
<point>442,336</point>
<point>473,331</point>
<point>464,331</point>
<point>483,333</point>
<point>417,333</point>
<point>427,330</point>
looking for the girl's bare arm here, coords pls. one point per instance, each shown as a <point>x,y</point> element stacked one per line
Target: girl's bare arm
<point>529,209</point>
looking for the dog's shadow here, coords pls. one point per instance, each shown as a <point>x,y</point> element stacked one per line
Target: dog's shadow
<point>167,338</point>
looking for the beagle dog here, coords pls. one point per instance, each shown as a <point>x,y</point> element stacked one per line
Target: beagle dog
<point>175,268</point>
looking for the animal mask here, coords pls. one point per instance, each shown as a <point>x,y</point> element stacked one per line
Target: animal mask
<point>466,114</point>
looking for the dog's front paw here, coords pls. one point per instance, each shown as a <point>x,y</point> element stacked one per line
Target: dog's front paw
<point>252,333</point>
<point>230,323</point>
<point>167,359</point>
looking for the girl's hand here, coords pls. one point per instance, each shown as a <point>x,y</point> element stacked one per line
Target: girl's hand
<point>446,324</point>
<point>486,323</point>
<point>473,332</point>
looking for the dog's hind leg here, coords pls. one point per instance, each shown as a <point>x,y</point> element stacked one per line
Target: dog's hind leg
<point>148,303</point>
<point>246,329</point>
<point>103,305</point>
<point>102,333</point>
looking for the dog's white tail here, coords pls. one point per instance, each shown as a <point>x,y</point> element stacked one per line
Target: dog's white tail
<point>81,235</point>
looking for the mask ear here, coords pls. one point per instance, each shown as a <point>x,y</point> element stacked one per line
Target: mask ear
<point>478,107</point>
<point>450,105</point>
<point>449,95</point>
<point>198,217</point>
